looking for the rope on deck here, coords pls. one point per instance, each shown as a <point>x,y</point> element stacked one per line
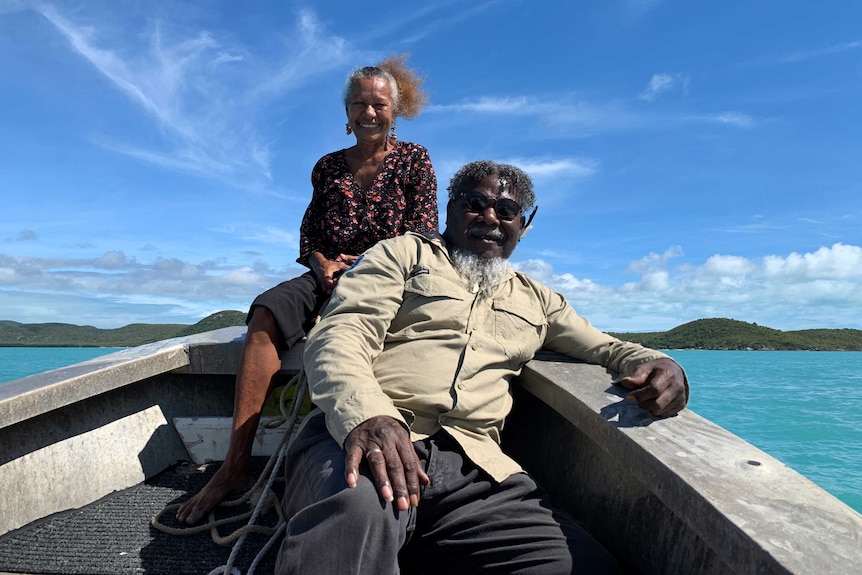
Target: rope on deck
<point>260,493</point>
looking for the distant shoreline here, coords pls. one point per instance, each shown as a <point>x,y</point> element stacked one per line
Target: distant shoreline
<point>58,345</point>
<point>14,334</point>
<point>714,334</point>
<point>718,334</point>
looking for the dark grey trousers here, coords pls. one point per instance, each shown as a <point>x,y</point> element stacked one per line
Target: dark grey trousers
<point>295,305</point>
<point>465,522</point>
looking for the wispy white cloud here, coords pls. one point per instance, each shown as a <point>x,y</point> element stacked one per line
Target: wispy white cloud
<point>490,105</point>
<point>554,168</point>
<point>203,90</point>
<point>803,55</point>
<point>277,236</point>
<point>309,51</point>
<point>727,118</point>
<point>559,117</point>
<point>577,118</point>
<point>633,10</point>
<point>154,86</point>
<point>757,227</point>
<point>427,19</point>
<point>663,83</point>
<point>735,119</point>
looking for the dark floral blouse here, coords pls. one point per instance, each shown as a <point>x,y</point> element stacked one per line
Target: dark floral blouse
<point>342,218</point>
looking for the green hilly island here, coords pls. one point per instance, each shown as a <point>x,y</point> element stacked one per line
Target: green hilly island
<point>721,333</point>
<point>14,334</point>
<point>713,333</point>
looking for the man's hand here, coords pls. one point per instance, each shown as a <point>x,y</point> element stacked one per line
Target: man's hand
<point>660,387</point>
<point>386,444</point>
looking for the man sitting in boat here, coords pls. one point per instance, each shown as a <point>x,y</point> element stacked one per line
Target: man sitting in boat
<point>410,367</point>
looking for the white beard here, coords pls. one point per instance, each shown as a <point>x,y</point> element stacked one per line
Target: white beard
<point>485,274</point>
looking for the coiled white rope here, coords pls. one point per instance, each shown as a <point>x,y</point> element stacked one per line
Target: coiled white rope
<point>266,499</point>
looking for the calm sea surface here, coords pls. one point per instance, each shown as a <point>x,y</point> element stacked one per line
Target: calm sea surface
<point>802,407</point>
<point>17,362</point>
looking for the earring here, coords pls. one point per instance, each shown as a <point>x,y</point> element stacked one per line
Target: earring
<point>393,136</point>
<point>347,129</point>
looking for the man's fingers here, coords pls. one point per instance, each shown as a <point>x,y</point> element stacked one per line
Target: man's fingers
<point>650,399</point>
<point>658,387</point>
<point>644,394</point>
<point>378,464</point>
<point>635,380</point>
<point>414,477</point>
<point>397,474</point>
<point>351,465</point>
<point>385,444</point>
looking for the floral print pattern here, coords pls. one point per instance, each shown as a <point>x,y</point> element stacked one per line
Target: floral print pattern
<point>342,218</point>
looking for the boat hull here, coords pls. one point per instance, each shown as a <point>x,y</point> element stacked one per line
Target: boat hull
<point>679,495</point>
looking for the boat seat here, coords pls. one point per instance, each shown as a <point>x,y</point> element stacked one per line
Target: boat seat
<point>291,360</point>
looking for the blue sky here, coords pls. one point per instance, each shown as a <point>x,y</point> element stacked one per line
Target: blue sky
<point>691,159</point>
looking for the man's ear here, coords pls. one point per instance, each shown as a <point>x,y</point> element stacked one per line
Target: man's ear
<point>450,205</point>
<point>525,226</point>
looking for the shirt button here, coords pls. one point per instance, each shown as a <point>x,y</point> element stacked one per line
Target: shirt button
<point>475,346</point>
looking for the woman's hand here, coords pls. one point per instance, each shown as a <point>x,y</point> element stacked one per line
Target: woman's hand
<point>347,259</point>
<point>329,273</point>
<point>327,270</point>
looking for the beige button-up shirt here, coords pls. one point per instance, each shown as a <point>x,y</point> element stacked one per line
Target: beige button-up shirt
<point>404,335</point>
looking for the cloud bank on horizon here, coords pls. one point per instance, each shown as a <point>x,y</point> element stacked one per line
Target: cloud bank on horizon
<point>689,162</point>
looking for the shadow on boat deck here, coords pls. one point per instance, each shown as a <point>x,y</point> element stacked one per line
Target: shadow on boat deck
<point>113,536</point>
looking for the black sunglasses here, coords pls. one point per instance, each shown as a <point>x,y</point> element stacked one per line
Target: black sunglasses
<point>505,208</point>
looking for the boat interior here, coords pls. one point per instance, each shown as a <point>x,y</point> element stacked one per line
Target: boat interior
<point>89,454</point>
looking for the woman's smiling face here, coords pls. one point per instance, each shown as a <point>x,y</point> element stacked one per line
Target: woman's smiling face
<point>370,111</point>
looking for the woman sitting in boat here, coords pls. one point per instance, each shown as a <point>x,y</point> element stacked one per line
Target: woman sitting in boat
<point>376,189</point>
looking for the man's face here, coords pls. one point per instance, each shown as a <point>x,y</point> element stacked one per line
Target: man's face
<point>484,232</point>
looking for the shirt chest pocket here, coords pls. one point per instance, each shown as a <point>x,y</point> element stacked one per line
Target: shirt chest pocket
<point>519,328</point>
<point>431,304</point>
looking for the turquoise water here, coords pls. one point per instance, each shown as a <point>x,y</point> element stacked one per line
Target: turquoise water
<point>802,407</point>
<point>17,362</point>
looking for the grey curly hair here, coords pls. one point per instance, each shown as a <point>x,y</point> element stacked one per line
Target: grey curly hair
<point>405,85</point>
<point>471,174</point>
<point>371,72</point>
